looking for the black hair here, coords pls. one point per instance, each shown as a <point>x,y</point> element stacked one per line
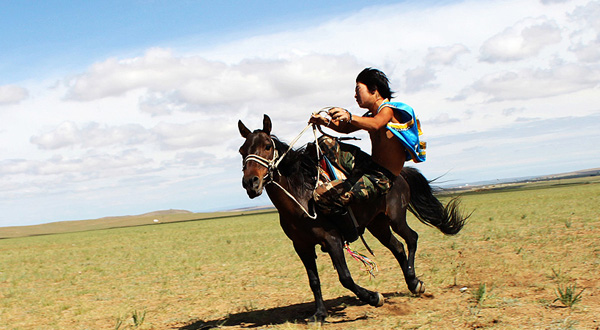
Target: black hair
<point>375,80</point>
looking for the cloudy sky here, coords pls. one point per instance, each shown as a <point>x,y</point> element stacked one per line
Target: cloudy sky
<point>126,107</point>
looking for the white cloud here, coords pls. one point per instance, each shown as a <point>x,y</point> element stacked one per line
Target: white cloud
<point>93,163</point>
<point>177,83</point>
<point>547,2</point>
<point>192,135</point>
<point>11,94</point>
<point>445,55</point>
<point>419,78</point>
<point>527,38</point>
<point>588,15</point>
<point>535,83</point>
<point>589,53</point>
<point>158,69</point>
<point>89,163</point>
<point>91,135</point>
<point>586,41</point>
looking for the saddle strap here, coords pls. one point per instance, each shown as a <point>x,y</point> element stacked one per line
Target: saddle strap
<point>355,223</point>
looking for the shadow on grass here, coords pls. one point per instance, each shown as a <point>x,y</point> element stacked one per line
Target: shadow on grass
<point>298,313</point>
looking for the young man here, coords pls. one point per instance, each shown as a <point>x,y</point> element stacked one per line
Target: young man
<point>394,134</point>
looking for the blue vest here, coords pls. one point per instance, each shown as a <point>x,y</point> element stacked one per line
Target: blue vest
<point>408,131</point>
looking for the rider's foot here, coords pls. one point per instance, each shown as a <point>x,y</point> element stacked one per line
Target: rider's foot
<point>344,222</point>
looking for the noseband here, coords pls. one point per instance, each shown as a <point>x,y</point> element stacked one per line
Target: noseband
<point>270,164</point>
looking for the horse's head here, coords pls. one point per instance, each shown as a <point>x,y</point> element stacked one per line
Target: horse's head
<point>258,153</point>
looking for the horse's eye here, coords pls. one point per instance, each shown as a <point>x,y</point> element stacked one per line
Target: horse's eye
<point>268,147</point>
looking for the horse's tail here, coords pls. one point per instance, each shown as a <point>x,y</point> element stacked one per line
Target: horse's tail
<point>428,209</point>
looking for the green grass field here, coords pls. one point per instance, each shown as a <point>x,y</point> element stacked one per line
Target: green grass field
<point>501,272</point>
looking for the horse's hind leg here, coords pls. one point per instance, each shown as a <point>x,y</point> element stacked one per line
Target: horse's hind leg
<point>380,228</point>
<point>336,252</point>
<point>410,237</point>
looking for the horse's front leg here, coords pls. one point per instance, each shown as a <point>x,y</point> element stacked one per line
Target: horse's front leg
<point>308,257</point>
<point>336,252</point>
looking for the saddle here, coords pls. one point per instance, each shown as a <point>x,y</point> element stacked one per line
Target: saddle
<point>343,219</point>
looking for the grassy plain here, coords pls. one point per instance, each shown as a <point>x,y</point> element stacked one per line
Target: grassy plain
<point>501,272</point>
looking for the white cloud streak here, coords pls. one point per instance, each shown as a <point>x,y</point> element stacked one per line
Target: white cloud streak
<point>11,94</point>
<point>535,83</point>
<point>523,40</point>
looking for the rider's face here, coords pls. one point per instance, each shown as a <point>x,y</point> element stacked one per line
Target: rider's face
<point>363,96</point>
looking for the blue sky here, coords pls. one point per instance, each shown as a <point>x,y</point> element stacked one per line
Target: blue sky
<point>126,107</point>
<point>63,35</point>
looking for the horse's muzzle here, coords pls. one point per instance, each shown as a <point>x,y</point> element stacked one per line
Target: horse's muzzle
<point>253,185</point>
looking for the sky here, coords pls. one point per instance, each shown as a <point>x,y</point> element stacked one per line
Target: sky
<point>114,108</point>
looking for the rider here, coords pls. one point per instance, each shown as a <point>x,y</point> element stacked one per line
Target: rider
<point>394,133</point>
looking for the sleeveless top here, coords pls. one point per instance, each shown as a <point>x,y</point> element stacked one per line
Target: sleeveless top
<point>407,132</point>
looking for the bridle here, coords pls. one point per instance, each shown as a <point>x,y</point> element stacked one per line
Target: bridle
<point>270,164</point>
<point>273,164</point>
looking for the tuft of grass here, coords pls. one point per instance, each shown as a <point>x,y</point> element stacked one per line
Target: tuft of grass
<point>119,323</point>
<point>559,276</point>
<point>567,296</point>
<point>138,318</point>
<point>479,295</point>
<point>566,324</point>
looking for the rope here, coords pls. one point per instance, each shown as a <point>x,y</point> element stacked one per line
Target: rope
<point>272,164</point>
<point>370,265</point>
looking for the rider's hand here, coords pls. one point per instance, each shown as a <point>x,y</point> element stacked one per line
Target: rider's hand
<point>318,120</point>
<point>339,114</point>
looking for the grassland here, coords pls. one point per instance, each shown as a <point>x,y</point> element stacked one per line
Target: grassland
<point>501,272</point>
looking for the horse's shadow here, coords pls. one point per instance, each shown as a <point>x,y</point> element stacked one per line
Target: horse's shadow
<point>298,313</point>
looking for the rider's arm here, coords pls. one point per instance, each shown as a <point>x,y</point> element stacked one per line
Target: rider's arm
<point>340,126</point>
<point>371,124</point>
<point>342,121</point>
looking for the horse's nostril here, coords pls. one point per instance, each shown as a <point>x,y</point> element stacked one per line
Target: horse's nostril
<point>255,179</point>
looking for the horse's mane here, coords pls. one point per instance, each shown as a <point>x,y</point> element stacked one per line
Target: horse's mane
<point>298,165</point>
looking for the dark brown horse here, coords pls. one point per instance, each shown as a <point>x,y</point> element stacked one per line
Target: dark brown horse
<point>296,174</point>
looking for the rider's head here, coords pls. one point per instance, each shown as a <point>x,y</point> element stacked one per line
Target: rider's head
<point>375,80</point>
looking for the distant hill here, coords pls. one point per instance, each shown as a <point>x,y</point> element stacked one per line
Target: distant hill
<point>151,218</point>
<point>150,214</point>
<point>574,177</point>
<point>574,174</point>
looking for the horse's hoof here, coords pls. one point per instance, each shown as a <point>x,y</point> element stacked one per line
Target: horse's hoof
<point>380,300</point>
<point>316,319</point>
<point>419,288</point>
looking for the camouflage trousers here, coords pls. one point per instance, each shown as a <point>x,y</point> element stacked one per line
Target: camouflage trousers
<point>365,178</point>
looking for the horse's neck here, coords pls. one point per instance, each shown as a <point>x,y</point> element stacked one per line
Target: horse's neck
<point>275,192</point>
<point>281,200</point>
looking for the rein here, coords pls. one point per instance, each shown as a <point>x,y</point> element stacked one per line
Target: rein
<point>273,164</point>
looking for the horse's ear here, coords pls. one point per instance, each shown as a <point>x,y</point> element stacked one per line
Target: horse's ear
<point>267,125</point>
<point>243,129</point>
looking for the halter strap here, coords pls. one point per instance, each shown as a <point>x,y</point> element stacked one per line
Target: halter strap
<point>272,164</point>
<point>268,163</point>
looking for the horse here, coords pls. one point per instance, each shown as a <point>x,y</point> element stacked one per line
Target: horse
<point>289,183</point>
